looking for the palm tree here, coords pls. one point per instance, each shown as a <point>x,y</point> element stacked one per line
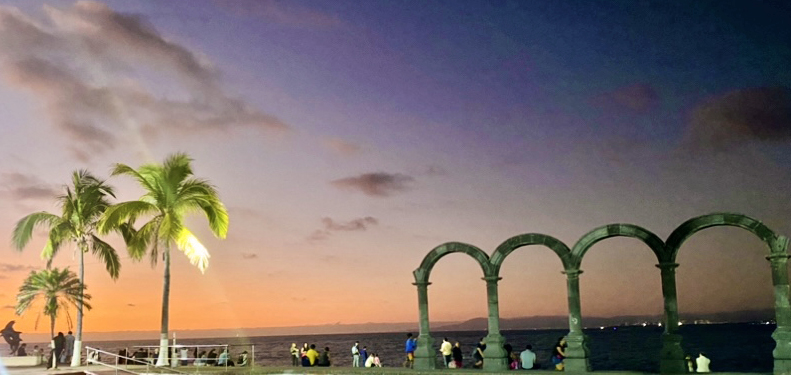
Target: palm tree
<point>81,208</point>
<point>171,192</point>
<point>59,289</point>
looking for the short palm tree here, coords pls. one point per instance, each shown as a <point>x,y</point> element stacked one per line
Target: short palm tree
<point>171,192</point>
<point>58,289</point>
<point>81,208</point>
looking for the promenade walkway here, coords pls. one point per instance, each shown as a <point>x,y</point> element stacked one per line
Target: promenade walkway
<point>263,370</point>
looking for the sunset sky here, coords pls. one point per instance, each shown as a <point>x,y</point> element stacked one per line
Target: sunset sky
<point>349,138</point>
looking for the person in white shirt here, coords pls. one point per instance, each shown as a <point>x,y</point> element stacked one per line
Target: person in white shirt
<point>528,358</point>
<point>356,354</point>
<point>446,349</point>
<point>703,363</point>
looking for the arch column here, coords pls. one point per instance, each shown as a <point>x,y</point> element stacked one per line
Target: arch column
<point>577,352</point>
<point>782,334</point>
<point>671,358</point>
<point>494,355</point>
<point>425,357</point>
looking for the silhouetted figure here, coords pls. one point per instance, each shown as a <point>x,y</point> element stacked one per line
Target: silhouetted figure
<point>60,344</point>
<point>22,350</point>
<point>211,358</point>
<point>324,358</point>
<point>11,336</point>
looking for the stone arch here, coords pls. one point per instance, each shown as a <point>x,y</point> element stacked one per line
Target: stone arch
<point>696,224</point>
<point>423,272</point>
<point>508,246</point>
<point>582,246</point>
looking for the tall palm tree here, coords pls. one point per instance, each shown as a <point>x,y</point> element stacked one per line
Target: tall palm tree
<point>171,192</point>
<point>81,208</point>
<point>59,289</point>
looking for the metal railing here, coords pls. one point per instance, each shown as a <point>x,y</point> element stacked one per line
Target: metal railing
<point>130,363</point>
<point>124,364</point>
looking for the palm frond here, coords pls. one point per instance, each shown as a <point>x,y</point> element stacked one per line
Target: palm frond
<point>108,255</point>
<point>23,230</point>
<point>120,213</point>
<point>193,249</point>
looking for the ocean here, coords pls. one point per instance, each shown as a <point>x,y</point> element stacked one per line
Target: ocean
<point>731,347</point>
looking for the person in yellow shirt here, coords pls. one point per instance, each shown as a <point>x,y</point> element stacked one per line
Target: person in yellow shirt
<point>312,354</point>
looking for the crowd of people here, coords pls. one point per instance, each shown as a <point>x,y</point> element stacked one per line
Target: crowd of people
<point>308,356</point>
<point>182,357</point>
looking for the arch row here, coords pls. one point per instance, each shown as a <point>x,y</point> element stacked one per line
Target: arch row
<point>672,355</point>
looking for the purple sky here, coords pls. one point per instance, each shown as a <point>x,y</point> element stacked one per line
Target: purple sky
<point>349,138</point>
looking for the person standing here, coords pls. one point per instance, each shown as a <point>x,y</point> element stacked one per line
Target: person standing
<point>69,346</point>
<point>356,354</point>
<point>363,355</point>
<point>447,351</point>
<point>703,362</point>
<point>478,355</point>
<point>528,358</point>
<point>60,344</point>
<point>294,355</point>
<point>411,345</point>
<point>458,357</point>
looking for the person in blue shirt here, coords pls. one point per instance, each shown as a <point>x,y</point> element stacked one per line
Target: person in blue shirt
<point>411,345</point>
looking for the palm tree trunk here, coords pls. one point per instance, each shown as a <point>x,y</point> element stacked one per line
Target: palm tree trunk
<point>163,334</point>
<point>76,354</point>
<point>52,341</point>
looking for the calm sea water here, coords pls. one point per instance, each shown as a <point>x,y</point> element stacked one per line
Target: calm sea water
<point>731,347</point>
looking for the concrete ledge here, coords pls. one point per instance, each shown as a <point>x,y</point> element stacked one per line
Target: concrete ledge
<point>26,361</point>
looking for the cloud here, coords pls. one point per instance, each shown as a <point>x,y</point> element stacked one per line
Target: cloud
<point>9,307</point>
<point>352,225</point>
<point>7,267</point>
<point>282,12</point>
<point>249,256</point>
<point>739,116</point>
<point>378,184</point>
<point>343,148</point>
<point>330,225</point>
<point>319,235</point>
<point>131,304</point>
<point>21,186</point>
<point>99,73</point>
<point>639,98</point>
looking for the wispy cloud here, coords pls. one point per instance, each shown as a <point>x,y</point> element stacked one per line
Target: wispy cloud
<point>319,235</point>
<point>283,12</point>
<point>9,307</point>
<point>377,184</point>
<point>343,148</point>
<point>352,225</point>
<point>131,304</point>
<point>7,267</point>
<point>331,225</point>
<point>87,64</point>
<point>249,256</point>
<point>739,116</point>
<point>22,186</point>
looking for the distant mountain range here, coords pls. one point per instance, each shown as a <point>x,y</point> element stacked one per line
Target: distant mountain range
<point>550,322</point>
<point>476,324</point>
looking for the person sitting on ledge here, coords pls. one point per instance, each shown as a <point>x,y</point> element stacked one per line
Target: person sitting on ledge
<point>224,359</point>
<point>21,351</point>
<point>703,363</point>
<point>243,358</point>
<point>312,355</point>
<point>324,358</point>
<point>528,358</point>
